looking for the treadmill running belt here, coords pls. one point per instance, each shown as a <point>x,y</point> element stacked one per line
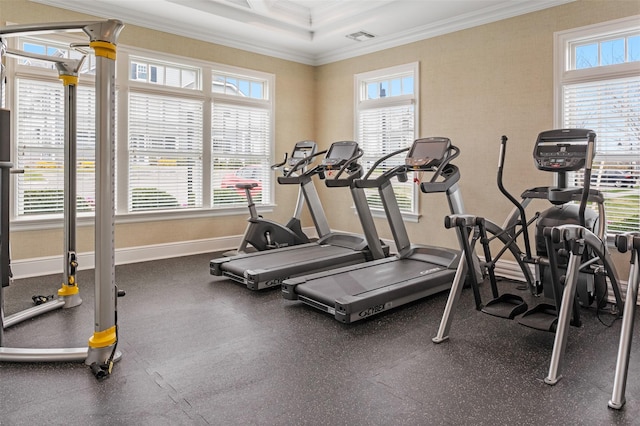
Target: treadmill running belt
<point>370,277</point>
<point>281,260</point>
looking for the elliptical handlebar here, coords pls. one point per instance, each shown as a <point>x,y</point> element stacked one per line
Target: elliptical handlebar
<point>586,184</point>
<point>511,198</point>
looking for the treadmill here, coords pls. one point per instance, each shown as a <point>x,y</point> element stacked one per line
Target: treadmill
<point>265,269</point>
<point>356,292</point>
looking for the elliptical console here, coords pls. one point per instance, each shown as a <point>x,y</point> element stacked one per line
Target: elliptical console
<point>563,150</point>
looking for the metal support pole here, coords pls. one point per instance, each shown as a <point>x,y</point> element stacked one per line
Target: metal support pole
<point>5,166</point>
<point>632,241</point>
<point>102,343</point>
<point>560,342</point>
<point>462,223</point>
<point>368,225</point>
<point>69,291</point>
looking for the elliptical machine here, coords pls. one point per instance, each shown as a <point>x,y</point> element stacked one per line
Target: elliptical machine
<point>264,234</point>
<point>572,263</point>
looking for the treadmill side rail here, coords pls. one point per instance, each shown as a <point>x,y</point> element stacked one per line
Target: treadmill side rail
<point>350,309</point>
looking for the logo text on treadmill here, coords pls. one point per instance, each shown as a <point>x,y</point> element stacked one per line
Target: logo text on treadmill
<point>372,310</point>
<point>272,283</point>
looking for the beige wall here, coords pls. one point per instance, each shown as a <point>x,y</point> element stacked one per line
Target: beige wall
<point>476,85</point>
<point>295,110</point>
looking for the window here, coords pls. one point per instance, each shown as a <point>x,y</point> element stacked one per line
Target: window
<point>241,134</point>
<point>55,49</point>
<point>238,86</point>
<point>386,120</point>
<point>165,74</point>
<point>182,145</point>
<point>165,152</point>
<point>598,87</point>
<point>39,132</point>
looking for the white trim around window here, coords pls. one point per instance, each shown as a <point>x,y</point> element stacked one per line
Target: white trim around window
<point>597,86</point>
<point>387,106</point>
<point>189,151</point>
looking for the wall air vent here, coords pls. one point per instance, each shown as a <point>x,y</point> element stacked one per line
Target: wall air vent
<point>360,36</point>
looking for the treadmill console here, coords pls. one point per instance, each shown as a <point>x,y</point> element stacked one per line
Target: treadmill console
<point>303,149</point>
<point>562,150</point>
<point>339,153</point>
<point>427,152</point>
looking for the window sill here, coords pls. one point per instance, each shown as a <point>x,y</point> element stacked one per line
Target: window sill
<point>27,224</point>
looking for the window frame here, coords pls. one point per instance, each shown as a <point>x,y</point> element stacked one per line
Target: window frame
<point>566,74</point>
<point>361,103</point>
<point>15,71</point>
<point>266,103</point>
<point>124,86</point>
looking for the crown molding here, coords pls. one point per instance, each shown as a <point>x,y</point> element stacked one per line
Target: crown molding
<point>461,22</point>
<point>436,29</point>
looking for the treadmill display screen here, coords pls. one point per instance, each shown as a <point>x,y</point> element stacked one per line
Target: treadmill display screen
<point>301,152</point>
<point>340,152</point>
<point>425,151</point>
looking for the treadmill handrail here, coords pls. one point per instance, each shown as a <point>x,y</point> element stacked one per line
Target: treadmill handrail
<point>451,177</point>
<point>284,161</point>
<point>305,160</point>
<point>445,161</point>
<point>359,153</point>
<point>353,173</point>
<point>368,182</point>
<point>386,157</point>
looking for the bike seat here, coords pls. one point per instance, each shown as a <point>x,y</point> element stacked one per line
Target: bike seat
<point>246,185</point>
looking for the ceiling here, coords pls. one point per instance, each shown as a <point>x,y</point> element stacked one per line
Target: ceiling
<point>313,32</point>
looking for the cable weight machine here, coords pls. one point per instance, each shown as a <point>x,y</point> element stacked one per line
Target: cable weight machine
<point>100,352</point>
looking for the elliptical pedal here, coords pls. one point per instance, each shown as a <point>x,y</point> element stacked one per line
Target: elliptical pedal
<point>505,306</point>
<point>541,317</point>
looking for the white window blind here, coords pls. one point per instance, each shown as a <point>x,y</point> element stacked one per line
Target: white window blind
<point>161,148</point>
<point>240,143</point>
<point>165,152</point>
<point>382,131</point>
<point>612,109</point>
<point>40,147</point>
<point>386,105</point>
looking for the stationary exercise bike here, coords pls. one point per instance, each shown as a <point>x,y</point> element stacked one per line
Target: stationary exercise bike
<point>264,234</point>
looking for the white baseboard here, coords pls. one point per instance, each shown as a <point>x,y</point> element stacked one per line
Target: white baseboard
<point>510,270</point>
<point>35,267</point>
